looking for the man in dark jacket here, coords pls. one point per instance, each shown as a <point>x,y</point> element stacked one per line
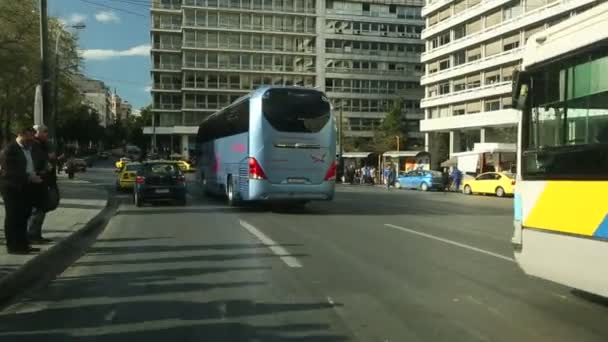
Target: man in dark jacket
<point>44,166</point>
<point>16,176</point>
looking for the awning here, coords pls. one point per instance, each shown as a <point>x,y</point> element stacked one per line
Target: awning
<point>397,154</point>
<point>450,162</point>
<point>356,155</point>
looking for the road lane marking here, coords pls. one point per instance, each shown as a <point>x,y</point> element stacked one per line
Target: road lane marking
<point>110,316</point>
<point>450,242</point>
<point>273,246</point>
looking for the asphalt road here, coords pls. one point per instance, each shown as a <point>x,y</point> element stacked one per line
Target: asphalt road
<point>371,266</point>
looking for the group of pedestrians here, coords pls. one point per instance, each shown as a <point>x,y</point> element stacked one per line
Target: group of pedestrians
<point>28,184</point>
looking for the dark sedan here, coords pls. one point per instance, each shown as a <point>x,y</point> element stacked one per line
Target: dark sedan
<point>159,181</point>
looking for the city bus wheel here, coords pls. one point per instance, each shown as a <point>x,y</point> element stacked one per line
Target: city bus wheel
<point>230,194</point>
<point>500,192</point>
<point>468,190</point>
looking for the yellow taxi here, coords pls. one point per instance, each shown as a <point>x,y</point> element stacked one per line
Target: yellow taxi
<point>126,176</point>
<point>121,162</point>
<point>498,183</point>
<point>184,166</point>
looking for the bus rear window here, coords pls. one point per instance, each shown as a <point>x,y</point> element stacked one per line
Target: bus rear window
<point>296,110</point>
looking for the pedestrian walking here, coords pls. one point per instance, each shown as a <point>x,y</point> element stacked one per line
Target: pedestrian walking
<point>456,179</point>
<point>391,177</point>
<point>45,196</point>
<point>17,174</point>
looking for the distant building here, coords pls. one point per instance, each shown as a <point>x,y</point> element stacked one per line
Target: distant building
<point>96,95</point>
<point>365,54</point>
<point>126,110</point>
<point>472,48</point>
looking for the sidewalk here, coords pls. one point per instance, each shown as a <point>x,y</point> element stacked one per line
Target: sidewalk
<point>81,201</point>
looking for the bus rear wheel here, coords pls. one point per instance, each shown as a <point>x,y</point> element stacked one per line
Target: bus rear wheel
<point>230,193</point>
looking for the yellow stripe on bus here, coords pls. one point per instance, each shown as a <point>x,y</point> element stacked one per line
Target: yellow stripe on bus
<point>570,207</point>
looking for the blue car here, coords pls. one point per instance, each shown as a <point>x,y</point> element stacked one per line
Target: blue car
<point>420,179</point>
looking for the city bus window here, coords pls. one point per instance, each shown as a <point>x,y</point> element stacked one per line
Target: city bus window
<point>294,110</point>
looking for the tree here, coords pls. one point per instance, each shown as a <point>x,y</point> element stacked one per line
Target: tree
<point>391,130</point>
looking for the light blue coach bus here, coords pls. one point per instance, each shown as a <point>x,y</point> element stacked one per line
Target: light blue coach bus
<point>275,144</point>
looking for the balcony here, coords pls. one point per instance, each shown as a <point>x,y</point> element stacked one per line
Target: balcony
<point>163,66</point>
<point>528,18</point>
<point>163,107</point>
<point>467,94</point>
<point>160,5</point>
<point>167,87</point>
<point>497,118</point>
<point>398,56</point>
<point>463,16</point>
<point>480,64</point>
<point>169,47</point>
<point>400,75</point>
<point>432,6</point>
<point>234,48</point>
<point>173,27</point>
<point>245,6</point>
<point>258,68</point>
<point>251,28</point>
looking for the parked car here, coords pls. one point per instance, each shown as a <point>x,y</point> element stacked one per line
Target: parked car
<point>126,176</point>
<point>159,180</point>
<point>498,183</point>
<point>420,179</point>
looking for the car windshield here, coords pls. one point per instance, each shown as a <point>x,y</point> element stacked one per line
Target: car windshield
<point>164,169</point>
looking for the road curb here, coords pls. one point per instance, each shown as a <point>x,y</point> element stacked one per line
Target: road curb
<point>46,265</point>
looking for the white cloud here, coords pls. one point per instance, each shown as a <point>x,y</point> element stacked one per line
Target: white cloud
<point>107,17</point>
<point>136,112</point>
<point>100,54</point>
<point>76,18</point>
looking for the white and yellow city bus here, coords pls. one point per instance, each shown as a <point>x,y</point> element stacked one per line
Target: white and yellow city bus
<point>561,200</point>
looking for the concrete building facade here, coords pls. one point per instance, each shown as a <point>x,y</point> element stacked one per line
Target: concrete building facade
<point>472,49</point>
<point>96,95</point>
<point>207,53</point>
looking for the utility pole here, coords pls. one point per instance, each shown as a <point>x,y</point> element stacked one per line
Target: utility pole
<point>340,135</point>
<point>44,70</point>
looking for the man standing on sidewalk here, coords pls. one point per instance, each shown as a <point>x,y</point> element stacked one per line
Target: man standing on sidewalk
<point>16,176</point>
<point>46,192</point>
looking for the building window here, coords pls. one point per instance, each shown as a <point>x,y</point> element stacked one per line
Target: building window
<point>473,54</point>
<point>473,81</point>
<point>491,105</point>
<point>444,88</point>
<point>444,64</point>
<point>473,107</point>
<point>512,11</point>
<point>458,109</point>
<point>493,48</point>
<point>510,43</point>
<point>493,19</point>
<point>460,31</point>
<point>444,38</point>
<point>432,67</point>
<point>459,84</point>
<point>459,57</point>
<point>507,102</point>
<point>492,76</point>
<point>473,26</point>
<point>507,72</point>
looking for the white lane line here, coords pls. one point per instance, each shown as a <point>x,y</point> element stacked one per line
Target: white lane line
<point>110,316</point>
<point>453,243</point>
<point>273,246</point>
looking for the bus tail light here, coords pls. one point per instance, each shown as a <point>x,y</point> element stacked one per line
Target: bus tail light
<point>140,180</point>
<point>331,173</point>
<point>255,170</point>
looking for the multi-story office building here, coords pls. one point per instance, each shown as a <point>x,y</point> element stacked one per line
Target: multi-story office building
<point>472,48</point>
<point>372,60</point>
<point>96,95</point>
<point>207,53</point>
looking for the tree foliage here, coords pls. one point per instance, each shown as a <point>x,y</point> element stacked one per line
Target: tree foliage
<point>391,131</point>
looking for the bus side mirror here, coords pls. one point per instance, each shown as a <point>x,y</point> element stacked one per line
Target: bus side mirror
<point>521,88</point>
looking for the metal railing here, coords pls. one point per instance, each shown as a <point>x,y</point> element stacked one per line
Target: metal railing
<point>167,66</point>
<point>374,72</point>
<point>167,26</point>
<point>248,6</point>
<point>168,86</point>
<point>252,67</point>
<point>466,91</point>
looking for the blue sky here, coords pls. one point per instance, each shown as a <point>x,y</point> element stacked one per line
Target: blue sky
<point>115,43</point>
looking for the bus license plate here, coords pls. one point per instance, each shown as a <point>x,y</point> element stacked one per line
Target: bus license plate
<point>296,180</point>
<point>162,191</point>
